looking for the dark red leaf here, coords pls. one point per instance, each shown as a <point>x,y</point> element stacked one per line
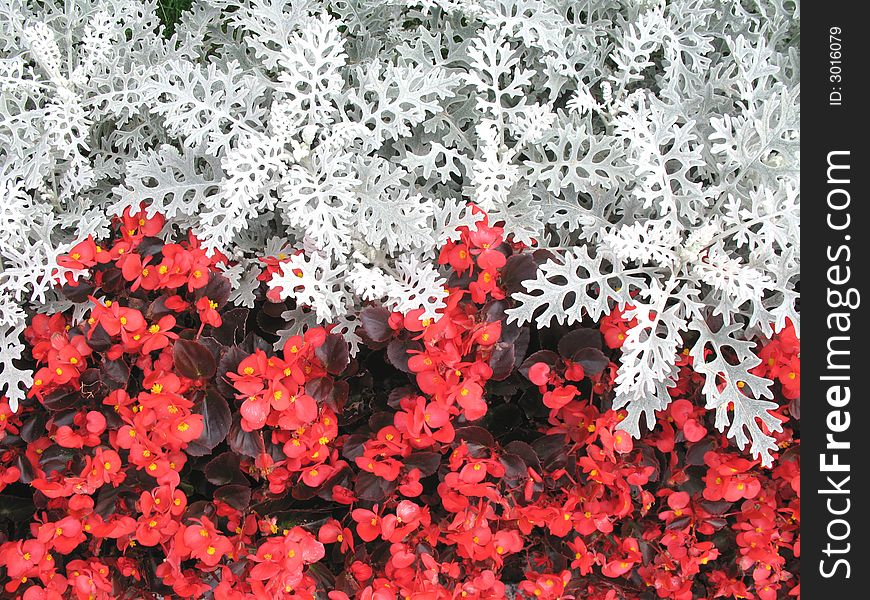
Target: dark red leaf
<point>578,339</point>
<point>371,487</point>
<point>374,323</point>
<point>232,329</point>
<point>216,420</point>
<point>517,269</point>
<point>236,495</point>
<point>551,449</point>
<point>526,452</point>
<point>397,353</point>
<point>353,446</point>
<point>55,458</point>
<point>223,468</point>
<point>326,390</point>
<point>193,360</point>
<point>77,293</point>
<point>99,341</point>
<point>515,467</point>
<point>427,462</point>
<point>592,359</point>
<point>91,385</point>
<point>476,437</point>
<point>719,507</point>
<point>108,498</point>
<point>62,398</point>
<point>502,360</point>
<point>25,469</point>
<point>33,427</point>
<point>246,443</point>
<point>379,420</point>
<point>114,374</point>
<point>217,289</point>
<point>695,454</point>
<point>333,353</point>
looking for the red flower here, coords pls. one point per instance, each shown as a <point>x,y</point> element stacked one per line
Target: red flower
<point>205,542</point>
<point>560,396</point>
<point>727,478</point>
<point>539,373</point>
<point>208,313</point>
<point>81,256</point>
<point>158,335</point>
<point>368,524</point>
<point>630,555</point>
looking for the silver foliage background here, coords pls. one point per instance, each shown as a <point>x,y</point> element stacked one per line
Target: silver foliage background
<point>652,145</point>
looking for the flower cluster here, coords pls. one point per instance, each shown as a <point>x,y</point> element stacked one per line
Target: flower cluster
<point>166,449</point>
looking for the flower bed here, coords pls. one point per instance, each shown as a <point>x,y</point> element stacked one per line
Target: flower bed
<point>166,449</point>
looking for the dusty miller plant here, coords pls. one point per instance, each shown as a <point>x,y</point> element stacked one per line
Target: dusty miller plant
<point>653,146</point>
